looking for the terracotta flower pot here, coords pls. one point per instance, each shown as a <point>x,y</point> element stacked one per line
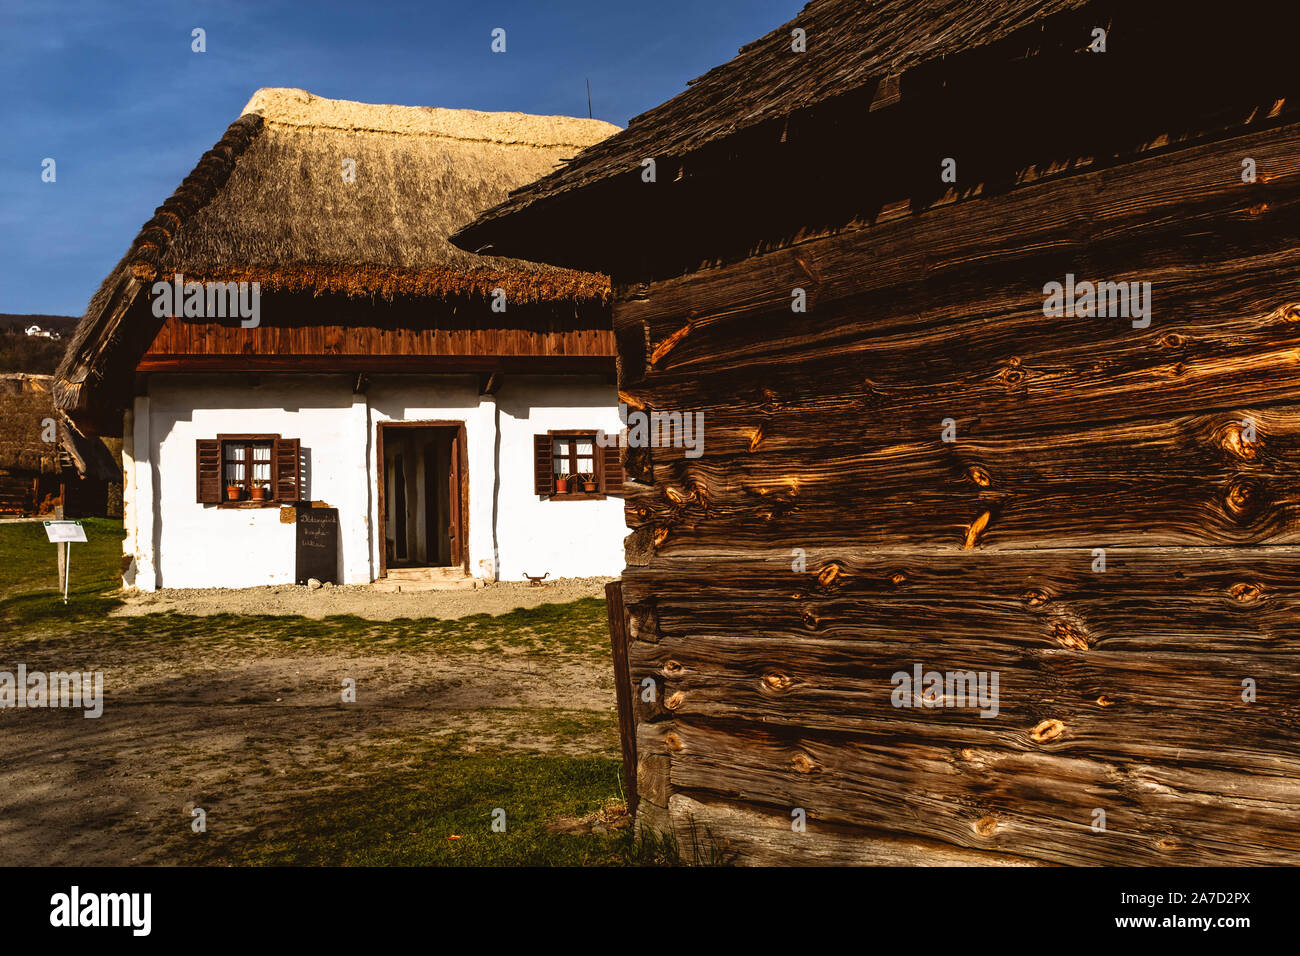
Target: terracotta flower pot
<point>588,486</point>
<point>259,492</point>
<point>232,492</point>
<point>561,486</point>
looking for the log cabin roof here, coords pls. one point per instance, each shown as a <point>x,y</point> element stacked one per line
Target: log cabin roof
<point>270,204</point>
<point>26,405</point>
<point>850,44</point>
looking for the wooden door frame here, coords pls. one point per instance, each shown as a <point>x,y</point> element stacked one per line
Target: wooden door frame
<point>381,476</point>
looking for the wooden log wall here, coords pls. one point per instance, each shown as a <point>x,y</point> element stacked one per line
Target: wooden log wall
<point>829,537</point>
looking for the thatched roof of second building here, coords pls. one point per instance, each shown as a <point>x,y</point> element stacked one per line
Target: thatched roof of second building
<point>28,417</point>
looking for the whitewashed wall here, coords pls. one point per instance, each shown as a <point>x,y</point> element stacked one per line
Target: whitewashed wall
<point>537,535</point>
<point>179,543</point>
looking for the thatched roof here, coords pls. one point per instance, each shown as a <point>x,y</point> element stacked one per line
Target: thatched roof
<point>850,44</point>
<point>269,203</point>
<point>26,405</point>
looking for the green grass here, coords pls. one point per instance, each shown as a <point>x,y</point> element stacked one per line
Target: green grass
<point>399,801</point>
<point>426,804</point>
<point>31,607</point>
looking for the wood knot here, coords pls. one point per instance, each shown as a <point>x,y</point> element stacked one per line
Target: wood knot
<point>1232,437</point>
<point>1246,593</point>
<point>976,527</point>
<point>661,535</point>
<point>1257,209</point>
<point>756,437</point>
<point>1104,701</point>
<point>674,700</point>
<point>830,575</point>
<point>1067,635</point>
<point>1035,597</point>
<point>802,763</point>
<point>673,742</point>
<point>1171,340</point>
<point>1178,369</point>
<point>1047,730</point>
<point>898,579</point>
<point>1243,499</point>
<point>986,826</point>
<point>1291,312</point>
<point>673,669</point>
<point>979,476</point>
<point>777,682</point>
<point>1013,374</point>
<point>675,496</point>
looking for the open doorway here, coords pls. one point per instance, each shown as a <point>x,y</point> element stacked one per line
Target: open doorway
<point>423,484</point>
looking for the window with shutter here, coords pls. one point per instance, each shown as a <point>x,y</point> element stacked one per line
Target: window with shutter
<point>248,470</point>
<point>567,465</point>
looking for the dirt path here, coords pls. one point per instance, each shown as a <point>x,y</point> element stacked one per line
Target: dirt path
<point>221,731</point>
<point>362,601</point>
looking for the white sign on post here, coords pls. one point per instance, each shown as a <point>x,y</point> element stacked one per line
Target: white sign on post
<point>65,531</point>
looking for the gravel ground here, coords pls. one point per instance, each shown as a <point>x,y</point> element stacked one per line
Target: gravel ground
<point>362,601</point>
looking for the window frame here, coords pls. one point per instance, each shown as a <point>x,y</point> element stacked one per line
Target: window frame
<point>597,464</point>
<point>248,440</point>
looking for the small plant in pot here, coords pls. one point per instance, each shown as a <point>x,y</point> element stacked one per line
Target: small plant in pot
<point>233,491</point>
<point>562,484</point>
<point>588,482</point>
<point>259,490</point>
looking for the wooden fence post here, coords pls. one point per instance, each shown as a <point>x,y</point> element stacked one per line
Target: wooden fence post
<point>618,638</point>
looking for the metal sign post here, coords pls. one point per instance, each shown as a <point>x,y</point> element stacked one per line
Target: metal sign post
<point>63,533</point>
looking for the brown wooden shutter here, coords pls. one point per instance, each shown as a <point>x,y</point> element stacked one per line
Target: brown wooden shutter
<point>611,471</point>
<point>207,470</point>
<point>284,465</point>
<point>543,480</point>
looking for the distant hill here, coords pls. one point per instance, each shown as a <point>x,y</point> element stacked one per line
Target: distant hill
<point>37,356</point>
<point>63,324</point>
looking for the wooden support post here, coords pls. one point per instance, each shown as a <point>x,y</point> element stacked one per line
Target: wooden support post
<point>618,638</point>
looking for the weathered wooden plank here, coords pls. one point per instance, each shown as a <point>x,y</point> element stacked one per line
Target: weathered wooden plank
<point>1039,577</point>
<point>1168,600</point>
<point>1107,210</point>
<point>1228,477</point>
<point>1037,805</point>
<point>1154,706</point>
<point>755,835</point>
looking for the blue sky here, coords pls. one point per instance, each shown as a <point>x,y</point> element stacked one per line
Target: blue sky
<point>111,90</point>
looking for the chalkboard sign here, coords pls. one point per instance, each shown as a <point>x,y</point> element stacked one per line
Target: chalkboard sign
<point>317,553</point>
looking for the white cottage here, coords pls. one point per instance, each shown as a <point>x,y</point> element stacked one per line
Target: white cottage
<point>292,330</point>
